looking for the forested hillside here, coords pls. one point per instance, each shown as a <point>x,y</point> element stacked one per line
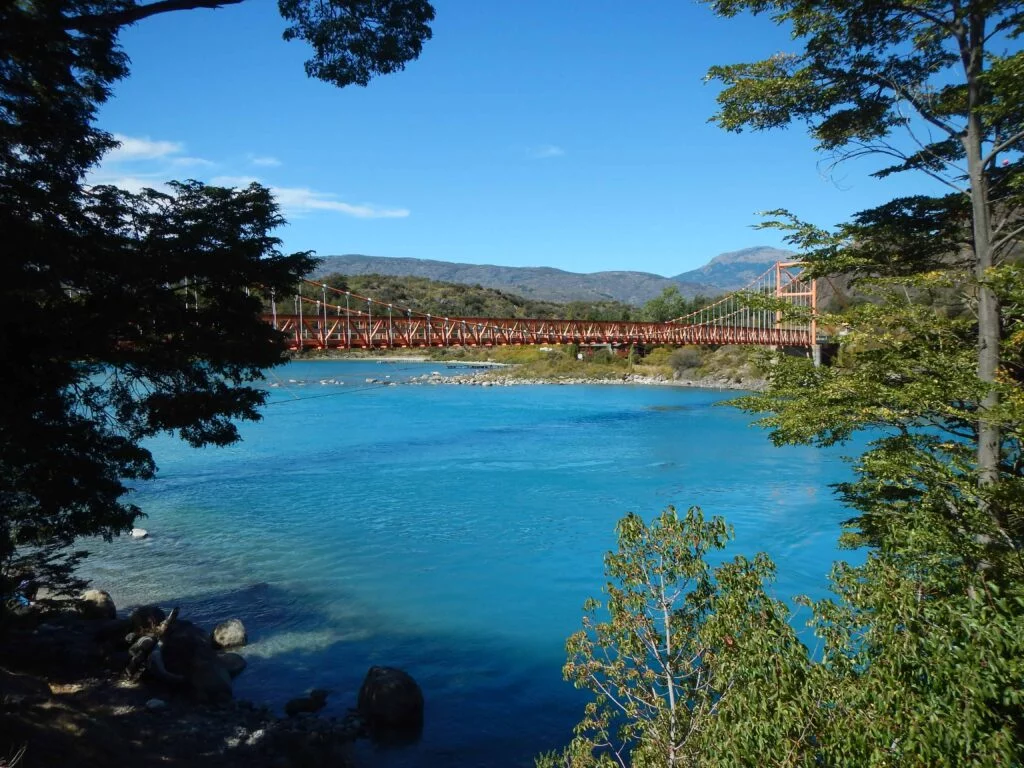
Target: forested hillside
<point>457,300</point>
<point>727,271</point>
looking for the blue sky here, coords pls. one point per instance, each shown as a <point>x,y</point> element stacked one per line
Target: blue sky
<point>555,133</point>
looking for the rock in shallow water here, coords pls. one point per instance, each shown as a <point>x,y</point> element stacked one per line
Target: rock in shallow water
<point>230,634</point>
<point>314,702</point>
<point>391,703</point>
<point>183,645</point>
<point>233,663</point>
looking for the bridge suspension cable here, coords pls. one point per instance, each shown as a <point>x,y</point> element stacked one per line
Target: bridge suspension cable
<point>777,308</point>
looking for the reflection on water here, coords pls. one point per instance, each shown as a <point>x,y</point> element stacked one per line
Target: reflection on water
<point>450,531</point>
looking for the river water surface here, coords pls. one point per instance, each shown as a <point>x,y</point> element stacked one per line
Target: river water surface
<point>452,531</point>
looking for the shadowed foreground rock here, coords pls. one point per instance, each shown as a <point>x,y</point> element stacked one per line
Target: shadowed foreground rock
<point>314,702</point>
<point>391,705</point>
<point>97,604</point>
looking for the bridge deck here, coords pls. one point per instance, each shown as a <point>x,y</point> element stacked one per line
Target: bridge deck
<point>384,332</point>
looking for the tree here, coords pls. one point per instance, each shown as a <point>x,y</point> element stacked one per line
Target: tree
<point>668,305</point>
<point>869,74</point>
<point>675,643</point>
<point>870,69</point>
<point>694,665</point>
<point>126,314</point>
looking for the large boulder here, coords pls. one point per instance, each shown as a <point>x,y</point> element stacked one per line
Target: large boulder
<point>314,702</point>
<point>146,618</point>
<point>187,650</point>
<point>391,704</point>
<point>233,663</point>
<point>184,645</point>
<point>96,604</point>
<point>230,634</point>
<point>210,680</point>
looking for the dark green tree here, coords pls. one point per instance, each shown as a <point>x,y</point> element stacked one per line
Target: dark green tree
<point>126,314</point>
<point>933,85</point>
<point>669,304</point>
<point>870,78</point>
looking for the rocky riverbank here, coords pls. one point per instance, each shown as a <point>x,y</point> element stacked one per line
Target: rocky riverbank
<point>87,687</point>
<point>509,378</point>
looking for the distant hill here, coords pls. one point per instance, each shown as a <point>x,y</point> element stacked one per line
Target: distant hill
<point>549,284</point>
<point>736,269</point>
<point>442,299</point>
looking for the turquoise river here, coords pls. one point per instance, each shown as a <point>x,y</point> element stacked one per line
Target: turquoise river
<point>452,531</point>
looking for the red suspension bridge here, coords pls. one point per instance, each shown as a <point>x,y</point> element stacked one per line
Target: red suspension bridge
<point>756,315</point>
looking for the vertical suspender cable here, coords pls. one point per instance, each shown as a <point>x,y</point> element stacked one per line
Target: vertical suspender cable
<point>324,286</point>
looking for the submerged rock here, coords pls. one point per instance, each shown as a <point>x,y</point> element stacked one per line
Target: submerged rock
<point>391,703</point>
<point>314,702</point>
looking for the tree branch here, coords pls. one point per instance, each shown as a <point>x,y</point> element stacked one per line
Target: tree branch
<point>912,10</point>
<point>140,12</point>
<point>1004,144</point>
<point>1005,239</point>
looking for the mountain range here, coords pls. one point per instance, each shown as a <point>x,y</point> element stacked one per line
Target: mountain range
<point>725,272</point>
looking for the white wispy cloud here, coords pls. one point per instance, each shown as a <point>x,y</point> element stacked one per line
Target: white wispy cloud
<point>544,151</point>
<point>265,161</point>
<point>192,162</point>
<point>142,162</point>
<point>141,148</point>
<point>302,200</point>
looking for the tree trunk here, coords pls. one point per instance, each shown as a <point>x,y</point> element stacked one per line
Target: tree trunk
<point>988,304</point>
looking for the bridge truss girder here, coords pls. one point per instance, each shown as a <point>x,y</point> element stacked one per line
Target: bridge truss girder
<point>393,332</point>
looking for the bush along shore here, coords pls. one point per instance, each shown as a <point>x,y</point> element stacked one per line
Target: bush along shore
<point>82,685</point>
